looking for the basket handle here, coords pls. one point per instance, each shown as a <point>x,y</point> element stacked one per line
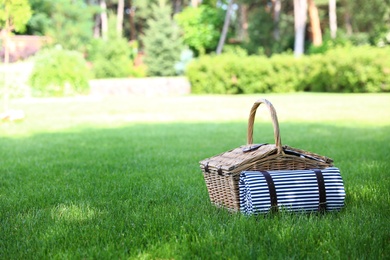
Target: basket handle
<point>275,123</point>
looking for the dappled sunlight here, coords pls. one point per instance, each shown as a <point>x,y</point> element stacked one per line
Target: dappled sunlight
<point>72,212</point>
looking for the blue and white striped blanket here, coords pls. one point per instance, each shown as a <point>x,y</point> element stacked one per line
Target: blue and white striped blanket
<point>294,190</point>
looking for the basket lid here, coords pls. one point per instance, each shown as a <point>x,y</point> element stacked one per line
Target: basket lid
<point>243,155</point>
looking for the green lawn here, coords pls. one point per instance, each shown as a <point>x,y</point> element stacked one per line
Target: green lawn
<point>119,178</point>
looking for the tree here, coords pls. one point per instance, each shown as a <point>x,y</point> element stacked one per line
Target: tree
<point>315,27</point>
<point>195,3</point>
<point>276,6</point>
<point>14,15</point>
<point>347,17</point>
<point>119,16</point>
<point>104,19</point>
<point>300,17</point>
<point>131,11</point>
<point>162,43</point>
<point>225,27</point>
<point>178,5</point>
<point>68,23</point>
<point>270,30</point>
<point>332,19</point>
<point>201,27</point>
<point>242,29</point>
<point>369,19</point>
<point>139,13</point>
<point>40,20</point>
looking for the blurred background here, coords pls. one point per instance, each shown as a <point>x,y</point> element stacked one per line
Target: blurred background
<point>62,47</point>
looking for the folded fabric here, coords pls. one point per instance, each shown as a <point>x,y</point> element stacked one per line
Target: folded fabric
<point>291,190</point>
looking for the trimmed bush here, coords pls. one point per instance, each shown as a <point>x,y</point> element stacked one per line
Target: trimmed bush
<point>58,73</point>
<point>229,74</point>
<point>349,69</point>
<point>353,69</point>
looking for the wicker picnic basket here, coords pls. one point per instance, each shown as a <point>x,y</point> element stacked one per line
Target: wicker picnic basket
<point>222,172</point>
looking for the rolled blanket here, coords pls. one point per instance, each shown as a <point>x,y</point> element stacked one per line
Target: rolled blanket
<point>294,190</point>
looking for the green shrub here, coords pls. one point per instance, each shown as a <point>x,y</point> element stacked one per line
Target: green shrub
<point>229,74</point>
<point>214,74</point>
<point>112,59</point>
<point>347,69</point>
<point>59,72</point>
<point>351,69</point>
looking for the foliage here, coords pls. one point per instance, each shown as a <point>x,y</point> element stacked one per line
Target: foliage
<point>348,69</point>
<point>67,22</point>
<point>342,40</point>
<point>354,69</point>
<point>369,18</point>
<point>201,27</point>
<point>212,3</point>
<point>14,14</point>
<point>70,22</point>
<point>58,73</point>
<point>144,10</point>
<point>261,28</point>
<point>162,43</point>
<point>111,58</point>
<point>383,39</point>
<point>40,21</point>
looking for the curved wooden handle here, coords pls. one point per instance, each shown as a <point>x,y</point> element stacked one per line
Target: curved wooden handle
<point>275,123</point>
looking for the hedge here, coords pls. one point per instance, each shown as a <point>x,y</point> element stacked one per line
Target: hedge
<point>347,69</point>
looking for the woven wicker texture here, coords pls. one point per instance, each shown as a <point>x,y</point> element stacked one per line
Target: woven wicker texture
<point>221,172</point>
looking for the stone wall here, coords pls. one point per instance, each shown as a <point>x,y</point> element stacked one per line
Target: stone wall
<point>159,86</point>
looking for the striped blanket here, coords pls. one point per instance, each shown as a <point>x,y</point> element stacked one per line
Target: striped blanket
<point>294,190</point>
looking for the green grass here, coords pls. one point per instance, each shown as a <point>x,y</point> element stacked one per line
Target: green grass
<point>119,178</point>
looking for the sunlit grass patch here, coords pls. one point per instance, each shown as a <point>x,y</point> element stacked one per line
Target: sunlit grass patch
<point>72,212</point>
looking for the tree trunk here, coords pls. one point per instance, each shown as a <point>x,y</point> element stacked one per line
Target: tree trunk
<point>347,19</point>
<point>6,62</point>
<point>242,33</point>
<point>300,17</point>
<point>119,17</point>
<point>225,28</point>
<point>133,34</point>
<point>332,19</point>
<point>195,3</point>
<point>176,6</point>
<point>277,5</point>
<point>315,26</point>
<point>96,27</point>
<point>104,19</point>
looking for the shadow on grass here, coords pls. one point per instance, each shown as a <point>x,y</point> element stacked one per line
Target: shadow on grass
<point>138,191</point>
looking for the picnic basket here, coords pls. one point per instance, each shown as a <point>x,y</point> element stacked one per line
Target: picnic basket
<point>222,172</point>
